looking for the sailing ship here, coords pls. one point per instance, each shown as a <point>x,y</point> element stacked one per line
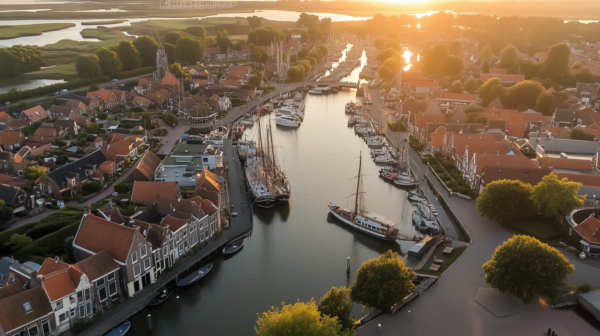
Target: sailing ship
<point>266,181</point>
<point>360,219</point>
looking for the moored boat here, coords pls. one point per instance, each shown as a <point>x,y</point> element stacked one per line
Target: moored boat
<point>195,276</point>
<point>160,298</point>
<point>233,247</point>
<point>120,330</point>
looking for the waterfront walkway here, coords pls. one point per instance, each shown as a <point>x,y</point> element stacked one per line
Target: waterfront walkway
<point>449,308</point>
<point>240,225</point>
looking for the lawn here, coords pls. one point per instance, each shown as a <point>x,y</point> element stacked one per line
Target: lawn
<point>538,227</point>
<point>66,71</point>
<point>58,57</point>
<point>95,23</point>
<point>449,259</point>
<point>8,32</point>
<point>108,37</point>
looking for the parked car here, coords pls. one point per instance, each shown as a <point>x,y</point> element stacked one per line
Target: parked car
<point>114,80</point>
<point>57,93</point>
<point>6,103</point>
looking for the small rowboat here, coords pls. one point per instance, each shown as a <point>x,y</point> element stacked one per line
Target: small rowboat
<point>160,298</point>
<point>233,248</point>
<point>120,330</point>
<point>195,276</point>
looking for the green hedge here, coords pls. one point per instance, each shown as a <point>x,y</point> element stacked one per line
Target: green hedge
<point>134,73</point>
<point>50,245</point>
<point>49,89</point>
<point>445,178</point>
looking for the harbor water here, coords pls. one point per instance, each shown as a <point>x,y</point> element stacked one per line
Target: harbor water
<point>296,252</point>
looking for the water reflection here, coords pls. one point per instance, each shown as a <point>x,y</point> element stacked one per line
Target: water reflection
<point>21,83</point>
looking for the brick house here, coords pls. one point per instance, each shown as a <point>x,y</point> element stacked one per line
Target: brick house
<point>27,313</point>
<point>126,246</point>
<point>145,169</point>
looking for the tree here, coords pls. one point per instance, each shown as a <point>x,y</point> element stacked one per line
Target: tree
<point>34,172</point>
<point>325,24</point>
<point>6,212</point>
<point>190,49</point>
<point>456,87</point>
<point>336,303</point>
<point>299,319</point>
<point>552,196</point>
<point>170,119</point>
<point>88,66</point>
<point>171,51</point>
<point>18,241</point>
<point>384,71</point>
<point>121,188</point>
<point>265,35</point>
<point>155,35</point>
<point>93,87</point>
<point>487,53</point>
<point>223,41</point>
<point>93,128</point>
<point>526,267</point>
<point>173,36</point>
<point>146,47</point>
<point>254,21</point>
<point>579,134</point>
<point>197,31</point>
<point>577,65</point>
<point>295,73</point>
<point>109,62</point>
<point>176,69</point>
<point>259,55</point>
<point>454,48</point>
<point>239,45</point>
<point>129,55</point>
<point>505,200</point>
<point>451,66</point>
<point>524,93</point>
<point>546,103</point>
<point>69,249</point>
<point>307,21</point>
<point>508,56</point>
<point>382,282</point>
<point>556,65</point>
<point>485,67</point>
<point>470,85</point>
<point>19,59</point>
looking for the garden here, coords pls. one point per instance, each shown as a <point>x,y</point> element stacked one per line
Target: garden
<point>49,237</point>
<point>448,174</point>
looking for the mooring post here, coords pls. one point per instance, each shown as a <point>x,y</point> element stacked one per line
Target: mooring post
<point>150,321</point>
<point>348,267</point>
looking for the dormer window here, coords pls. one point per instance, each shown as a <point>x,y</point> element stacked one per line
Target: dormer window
<point>27,307</point>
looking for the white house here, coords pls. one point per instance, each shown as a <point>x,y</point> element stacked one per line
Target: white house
<point>224,103</point>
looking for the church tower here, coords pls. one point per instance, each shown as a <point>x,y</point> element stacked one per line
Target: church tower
<point>162,64</point>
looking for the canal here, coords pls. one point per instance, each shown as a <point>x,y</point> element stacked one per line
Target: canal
<point>296,252</point>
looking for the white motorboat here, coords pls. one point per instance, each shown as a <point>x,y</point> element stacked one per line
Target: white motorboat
<point>351,122</point>
<point>405,181</point>
<point>315,91</point>
<point>288,121</point>
<point>374,142</point>
<point>384,158</point>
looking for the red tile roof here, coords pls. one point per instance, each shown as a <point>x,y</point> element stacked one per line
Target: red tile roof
<point>174,223</point>
<point>169,79</point>
<point>97,265</point>
<point>10,138</point>
<point>103,94</point>
<point>566,163</point>
<point>36,113</point>
<point>97,234</point>
<point>52,265</point>
<point>147,192</point>
<point>61,283</point>
<point>459,96</point>
<point>590,229</point>
<point>12,311</point>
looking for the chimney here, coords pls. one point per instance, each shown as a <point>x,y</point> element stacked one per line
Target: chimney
<point>56,259</point>
<point>498,153</point>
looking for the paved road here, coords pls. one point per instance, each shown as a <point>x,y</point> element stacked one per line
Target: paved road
<point>448,308</point>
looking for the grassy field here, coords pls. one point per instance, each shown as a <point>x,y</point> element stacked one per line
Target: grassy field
<point>95,23</point>
<point>108,37</point>
<point>449,259</point>
<point>58,57</point>
<point>8,32</point>
<point>539,227</point>
<point>65,71</point>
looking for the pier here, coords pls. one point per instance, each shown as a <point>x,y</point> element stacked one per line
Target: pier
<point>240,226</point>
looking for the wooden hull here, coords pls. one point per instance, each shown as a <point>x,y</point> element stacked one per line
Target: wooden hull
<point>351,224</point>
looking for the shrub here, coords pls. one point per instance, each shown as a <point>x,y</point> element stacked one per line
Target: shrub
<point>121,188</point>
<point>451,185</point>
<point>134,73</point>
<point>447,164</point>
<point>92,187</point>
<point>438,170</point>
<point>583,288</point>
<point>445,178</point>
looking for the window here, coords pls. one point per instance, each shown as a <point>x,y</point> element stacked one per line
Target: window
<point>134,257</point>
<point>88,308</point>
<point>87,295</point>
<point>72,312</point>
<point>27,307</point>
<point>143,251</point>
<point>146,263</point>
<point>59,304</point>
<point>102,294</point>
<point>80,297</point>
<point>100,282</point>
<point>72,299</point>
<point>111,276</point>
<point>112,288</point>
<point>82,311</point>
<point>136,270</point>
<point>20,173</point>
<point>33,330</point>
<point>204,159</point>
<point>62,317</point>
<point>46,328</point>
<point>49,188</point>
<point>165,251</point>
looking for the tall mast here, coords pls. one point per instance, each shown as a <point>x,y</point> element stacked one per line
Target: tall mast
<point>358,185</point>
